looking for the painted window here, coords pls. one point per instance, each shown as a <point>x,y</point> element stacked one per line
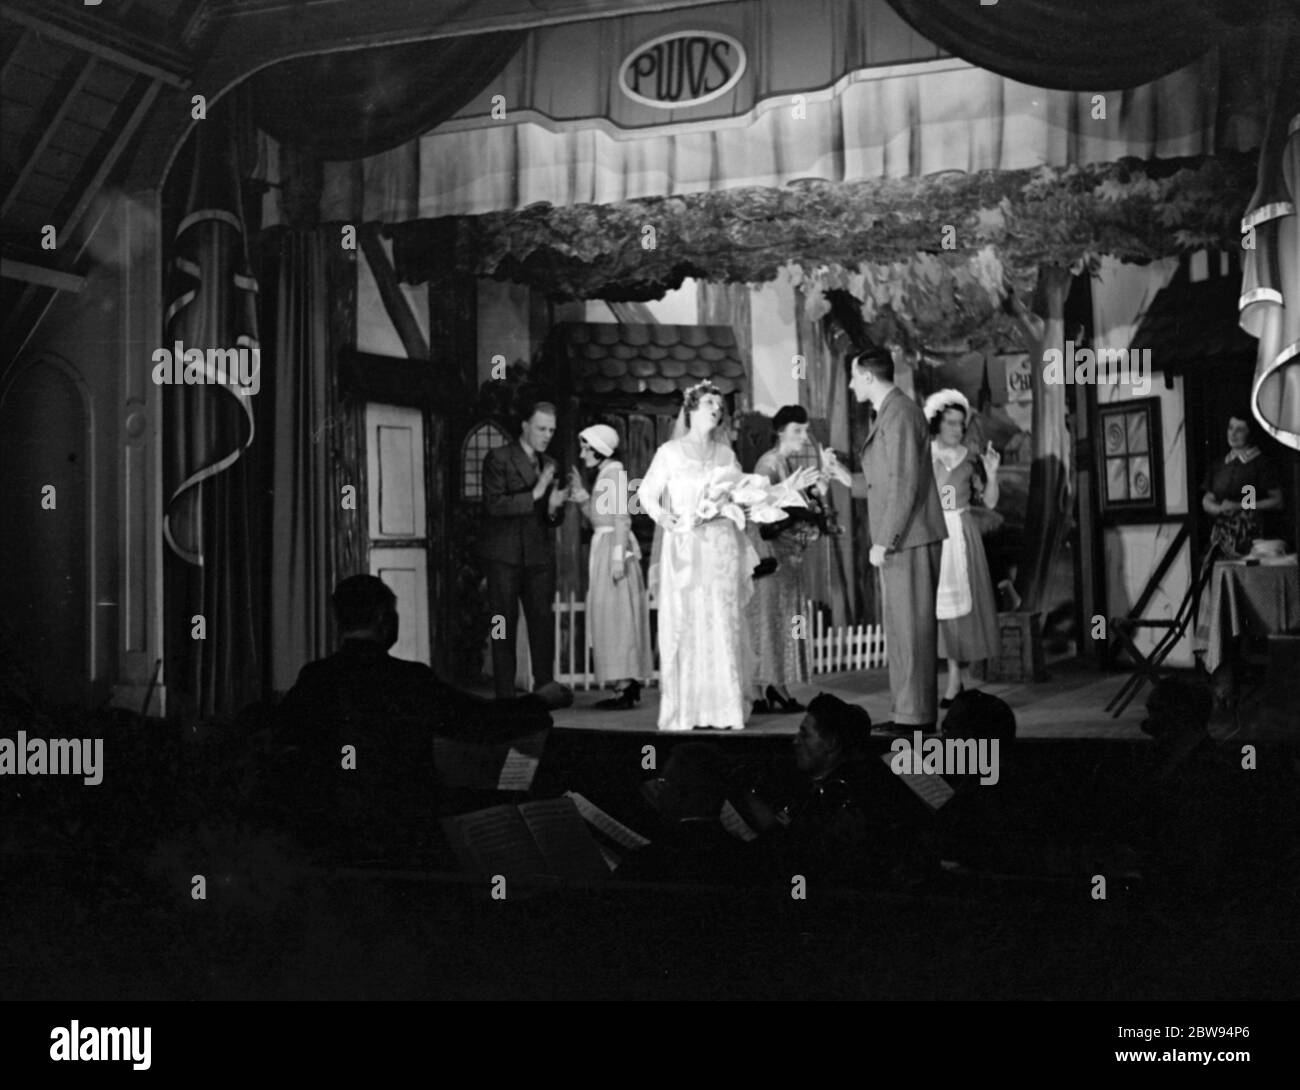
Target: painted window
<point>481,439</point>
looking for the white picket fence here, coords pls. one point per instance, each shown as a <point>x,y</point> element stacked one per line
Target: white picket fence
<point>831,649</point>
<point>844,647</point>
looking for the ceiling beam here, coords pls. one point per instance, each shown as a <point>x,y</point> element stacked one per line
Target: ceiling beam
<point>125,132</point>
<point>101,37</point>
<point>16,323</point>
<point>57,119</point>
<point>11,345</point>
<point>25,271</point>
<point>9,47</point>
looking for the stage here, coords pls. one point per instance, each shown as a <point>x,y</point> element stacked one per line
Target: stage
<point>1070,704</point>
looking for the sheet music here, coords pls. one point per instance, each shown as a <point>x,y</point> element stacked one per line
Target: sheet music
<point>611,860</point>
<point>569,848</point>
<point>518,771</point>
<point>736,825</point>
<point>932,790</point>
<point>495,841</point>
<point>611,827</point>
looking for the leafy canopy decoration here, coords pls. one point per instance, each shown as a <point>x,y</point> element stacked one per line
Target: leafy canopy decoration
<point>929,257</point>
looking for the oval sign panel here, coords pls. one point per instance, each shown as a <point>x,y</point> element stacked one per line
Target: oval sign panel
<point>682,69</point>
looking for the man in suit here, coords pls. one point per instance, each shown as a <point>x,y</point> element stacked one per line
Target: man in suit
<point>380,798</point>
<point>907,532</point>
<point>522,507</point>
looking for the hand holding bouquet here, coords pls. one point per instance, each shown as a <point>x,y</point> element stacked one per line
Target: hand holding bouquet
<point>743,498</point>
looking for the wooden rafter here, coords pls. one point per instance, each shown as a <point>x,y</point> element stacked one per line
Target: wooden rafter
<point>51,127</point>
<point>125,131</point>
<point>102,37</point>
<point>14,324</point>
<point>10,46</point>
<point>17,269</point>
<point>9,336</point>
<point>18,329</point>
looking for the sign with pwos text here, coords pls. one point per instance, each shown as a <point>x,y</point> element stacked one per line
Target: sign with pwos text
<point>684,68</point>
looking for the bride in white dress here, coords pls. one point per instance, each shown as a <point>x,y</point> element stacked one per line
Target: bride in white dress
<point>704,578</point>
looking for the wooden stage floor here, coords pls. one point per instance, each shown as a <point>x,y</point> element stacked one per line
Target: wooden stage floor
<point>1070,704</point>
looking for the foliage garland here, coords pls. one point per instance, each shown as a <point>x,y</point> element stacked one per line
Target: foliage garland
<point>931,258</point>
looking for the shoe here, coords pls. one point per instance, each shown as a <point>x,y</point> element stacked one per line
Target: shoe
<point>946,702</point>
<point>776,700</point>
<point>625,698</point>
<point>761,707</point>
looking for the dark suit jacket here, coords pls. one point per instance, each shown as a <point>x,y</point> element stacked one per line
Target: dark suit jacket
<point>516,528</point>
<point>388,709</point>
<point>903,503</point>
<point>361,691</point>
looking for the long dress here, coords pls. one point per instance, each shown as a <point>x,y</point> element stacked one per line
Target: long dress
<point>705,582</point>
<point>974,634</point>
<point>618,624</point>
<point>779,597</point>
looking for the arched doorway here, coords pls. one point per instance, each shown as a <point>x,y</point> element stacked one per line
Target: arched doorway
<point>45,443</point>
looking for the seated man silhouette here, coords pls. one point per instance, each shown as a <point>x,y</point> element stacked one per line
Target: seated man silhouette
<point>1191,798</point>
<point>993,826</point>
<point>357,730</point>
<point>850,821</point>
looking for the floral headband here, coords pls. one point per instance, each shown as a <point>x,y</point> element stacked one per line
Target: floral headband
<point>945,399</point>
<point>698,391</point>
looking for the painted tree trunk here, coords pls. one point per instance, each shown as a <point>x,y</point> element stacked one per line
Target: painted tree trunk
<point>1047,518</point>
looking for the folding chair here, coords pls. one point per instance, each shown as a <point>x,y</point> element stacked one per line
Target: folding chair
<point>1147,667</point>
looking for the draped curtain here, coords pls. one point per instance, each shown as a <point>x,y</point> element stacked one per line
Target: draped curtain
<point>1270,300</point>
<point>1093,46</point>
<point>315,541</point>
<point>944,115</point>
<point>353,104</point>
<point>729,305</point>
<point>211,466</point>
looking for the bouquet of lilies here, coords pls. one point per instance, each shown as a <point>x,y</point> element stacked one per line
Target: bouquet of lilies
<point>743,498</point>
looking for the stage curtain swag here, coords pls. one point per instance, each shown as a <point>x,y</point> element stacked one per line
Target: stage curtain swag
<point>1270,299</point>
<point>210,463</point>
<point>349,105</point>
<point>1095,46</point>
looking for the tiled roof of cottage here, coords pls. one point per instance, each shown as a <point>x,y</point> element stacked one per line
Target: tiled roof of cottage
<point>605,357</point>
<point>1194,325</point>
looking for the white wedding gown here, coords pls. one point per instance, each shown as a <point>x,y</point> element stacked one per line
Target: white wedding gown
<point>705,580</point>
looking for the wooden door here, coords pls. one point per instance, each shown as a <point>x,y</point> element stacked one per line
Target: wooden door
<point>398,524</point>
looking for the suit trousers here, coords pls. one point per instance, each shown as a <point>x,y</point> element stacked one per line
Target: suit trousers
<point>910,579</point>
<point>506,585</point>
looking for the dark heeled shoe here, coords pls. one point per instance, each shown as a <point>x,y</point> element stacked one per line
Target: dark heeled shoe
<point>946,702</point>
<point>776,700</point>
<point>623,699</point>
<point>760,708</point>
